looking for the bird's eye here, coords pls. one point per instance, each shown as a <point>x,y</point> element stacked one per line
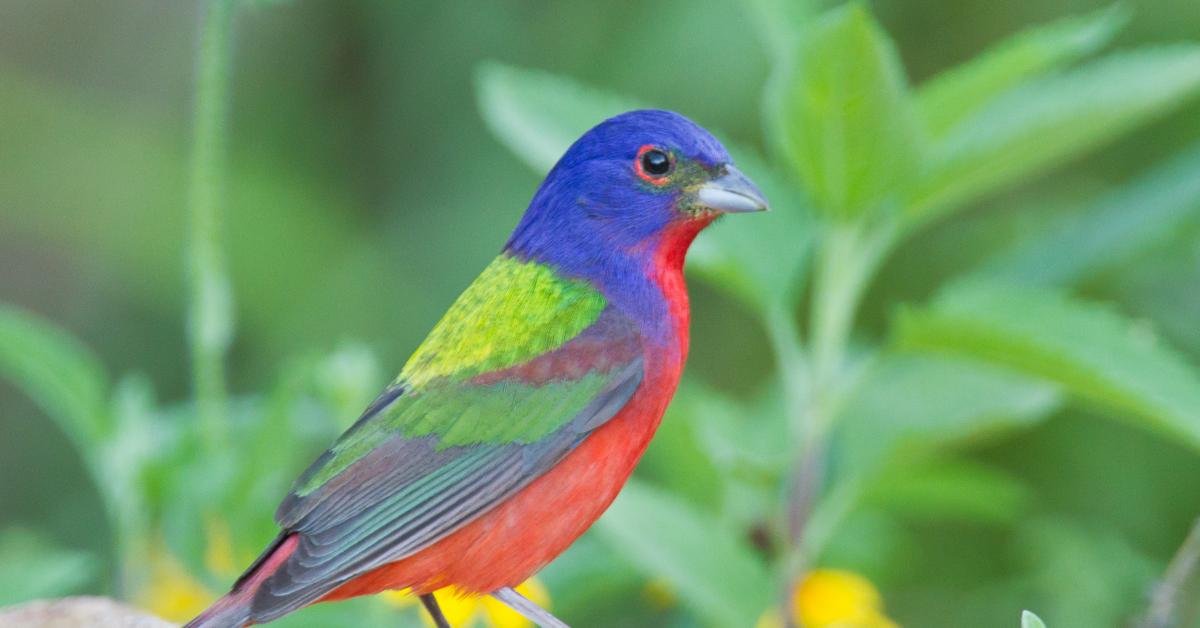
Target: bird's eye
<point>654,164</point>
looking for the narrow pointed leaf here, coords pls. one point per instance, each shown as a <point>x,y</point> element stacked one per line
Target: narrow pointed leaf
<point>945,490</point>
<point>954,95</point>
<point>1112,229</point>
<point>61,375</point>
<point>1089,349</point>
<point>1041,124</point>
<point>909,406</point>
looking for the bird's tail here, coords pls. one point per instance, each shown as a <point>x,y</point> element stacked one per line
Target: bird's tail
<point>231,611</point>
<point>234,610</point>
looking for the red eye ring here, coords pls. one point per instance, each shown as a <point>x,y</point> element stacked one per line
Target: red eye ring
<point>653,154</point>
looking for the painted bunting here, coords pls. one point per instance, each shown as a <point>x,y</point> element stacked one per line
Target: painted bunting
<point>519,418</point>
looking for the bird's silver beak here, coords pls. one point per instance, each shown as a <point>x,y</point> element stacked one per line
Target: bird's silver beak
<point>731,192</point>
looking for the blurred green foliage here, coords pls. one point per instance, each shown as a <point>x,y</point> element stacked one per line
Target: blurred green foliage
<point>959,357</point>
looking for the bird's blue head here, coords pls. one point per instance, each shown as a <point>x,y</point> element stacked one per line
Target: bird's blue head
<point>633,191</point>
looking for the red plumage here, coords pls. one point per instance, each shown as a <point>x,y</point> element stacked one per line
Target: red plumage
<point>508,544</point>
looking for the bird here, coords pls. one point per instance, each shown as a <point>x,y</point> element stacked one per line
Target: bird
<point>516,422</point>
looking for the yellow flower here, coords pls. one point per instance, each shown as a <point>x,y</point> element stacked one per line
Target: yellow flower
<point>170,592</point>
<point>466,610</point>
<point>832,598</point>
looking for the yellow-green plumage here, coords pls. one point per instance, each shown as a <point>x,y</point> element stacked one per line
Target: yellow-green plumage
<point>514,312</point>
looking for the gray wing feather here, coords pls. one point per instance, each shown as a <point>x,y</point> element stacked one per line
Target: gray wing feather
<point>406,495</point>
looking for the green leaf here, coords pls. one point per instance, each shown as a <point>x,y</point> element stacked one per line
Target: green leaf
<point>1035,127</point>
<point>737,455</point>
<point>57,372</point>
<point>908,406</point>
<point>759,259</point>
<point>741,438</point>
<point>539,115</point>
<point>714,573</point>
<point>870,541</point>
<point>1108,231</point>
<point>1029,620</point>
<point>954,95</point>
<point>33,568</point>
<point>1091,350</point>
<point>678,462</point>
<point>952,490</point>
<point>848,124</point>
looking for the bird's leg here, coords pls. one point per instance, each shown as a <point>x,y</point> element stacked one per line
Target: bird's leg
<point>435,611</point>
<point>527,608</point>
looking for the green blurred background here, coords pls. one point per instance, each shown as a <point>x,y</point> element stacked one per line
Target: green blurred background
<point>365,192</point>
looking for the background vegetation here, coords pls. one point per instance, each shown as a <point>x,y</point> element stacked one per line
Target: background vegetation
<point>959,358</point>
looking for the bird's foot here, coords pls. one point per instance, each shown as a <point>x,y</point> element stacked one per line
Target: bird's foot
<point>435,611</point>
<point>527,608</point>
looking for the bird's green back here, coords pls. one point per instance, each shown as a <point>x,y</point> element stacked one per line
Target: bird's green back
<point>514,312</point>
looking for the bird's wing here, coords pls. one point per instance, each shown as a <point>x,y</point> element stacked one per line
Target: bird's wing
<point>443,445</point>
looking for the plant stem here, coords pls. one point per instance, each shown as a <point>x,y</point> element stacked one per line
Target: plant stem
<point>848,258</point>
<point>835,298</point>
<point>784,335</point>
<point>210,315</point>
<point>1165,602</point>
<point>794,377</point>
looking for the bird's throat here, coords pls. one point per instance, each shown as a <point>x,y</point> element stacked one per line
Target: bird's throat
<point>674,241</point>
<point>666,271</point>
